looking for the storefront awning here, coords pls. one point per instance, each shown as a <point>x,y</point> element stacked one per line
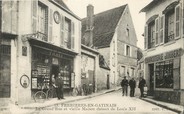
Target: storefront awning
<point>51,47</point>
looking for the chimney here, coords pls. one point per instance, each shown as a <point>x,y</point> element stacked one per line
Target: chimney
<point>90,24</point>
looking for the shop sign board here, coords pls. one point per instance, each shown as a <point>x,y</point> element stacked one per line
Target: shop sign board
<point>164,56</point>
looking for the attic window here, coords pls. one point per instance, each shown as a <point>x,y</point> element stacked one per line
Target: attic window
<point>127,32</point>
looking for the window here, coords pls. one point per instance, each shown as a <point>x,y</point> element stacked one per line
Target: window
<point>113,59</point>
<point>122,71</point>
<point>42,21</point>
<point>127,50</point>
<point>113,45</point>
<point>132,72</point>
<point>67,31</point>
<point>169,27</point>
<point>151,34</point>
<point>164,74</point>
<point>127,32</point>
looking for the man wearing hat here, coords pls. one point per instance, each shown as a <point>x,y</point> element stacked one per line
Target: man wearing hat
<point>124,85</point>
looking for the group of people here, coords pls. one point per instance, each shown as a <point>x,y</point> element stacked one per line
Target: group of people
<point>57,85</point>
<point>132,84</point>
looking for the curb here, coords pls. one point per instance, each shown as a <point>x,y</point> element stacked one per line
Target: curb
<point>163,106</point>
<point>87,97</point>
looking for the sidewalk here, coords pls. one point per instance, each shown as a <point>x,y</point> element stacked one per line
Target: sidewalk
<point>176,108</point>
<point>28,108</point>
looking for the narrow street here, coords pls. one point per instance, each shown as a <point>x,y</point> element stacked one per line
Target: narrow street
<point>108,103</point>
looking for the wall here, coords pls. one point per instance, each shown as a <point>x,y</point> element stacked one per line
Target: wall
<point>123,39</point>
<point>102,79</point>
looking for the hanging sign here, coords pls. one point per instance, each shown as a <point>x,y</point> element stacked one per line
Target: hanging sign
<point>24,81</point>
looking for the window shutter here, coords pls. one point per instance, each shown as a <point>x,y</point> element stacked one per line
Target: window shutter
<point>183,16</point>
<point>177,21</point>
<point>146,37</point>
<point>156,31</point>
<point>50,25</point>
<point>34,15</point>
<point>162,21</point>
<point>72,35</point>
<point>176,73</point>
<point>62,30</point>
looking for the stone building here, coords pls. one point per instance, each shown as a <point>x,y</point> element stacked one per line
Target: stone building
<point>94,70</point>
<point>115,38</point>
<point>38,38</point>
<point>163,54</point>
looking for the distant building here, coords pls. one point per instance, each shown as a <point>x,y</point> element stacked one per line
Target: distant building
<point>38,38</point>
<point>163,54</point>
<point>115,38</point>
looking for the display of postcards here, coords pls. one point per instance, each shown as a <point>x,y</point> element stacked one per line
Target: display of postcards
<point>34,83</point>
<point>34,73</point>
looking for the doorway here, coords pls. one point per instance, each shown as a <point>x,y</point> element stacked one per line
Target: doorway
<point>151,74</point>
<point>55,70</point>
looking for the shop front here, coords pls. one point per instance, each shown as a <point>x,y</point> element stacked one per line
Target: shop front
<point>163,76</point>
<point>48,60</point>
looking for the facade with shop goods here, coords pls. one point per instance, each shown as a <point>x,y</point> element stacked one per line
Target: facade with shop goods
<point>38,38</point>
<point>164,44</point>
<point>112,33</point>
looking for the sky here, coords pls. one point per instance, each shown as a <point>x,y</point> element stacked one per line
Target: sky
<point>78,7</point>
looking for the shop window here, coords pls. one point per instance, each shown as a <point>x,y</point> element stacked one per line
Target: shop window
<point>65,70</point>
<point>151,34</point>
<point>42,21</point>
<point>164,74</point>
<point>169,26</point>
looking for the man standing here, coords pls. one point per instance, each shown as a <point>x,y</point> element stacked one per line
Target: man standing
<point>142,83</point>
<point>132,84</point>
<point>59,84</point>
<point>124,85</point>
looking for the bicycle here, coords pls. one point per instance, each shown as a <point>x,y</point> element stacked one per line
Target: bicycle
<point>40,96</point>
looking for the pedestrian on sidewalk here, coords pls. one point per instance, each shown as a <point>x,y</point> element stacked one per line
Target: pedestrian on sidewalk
<point>141,86</point>
<point>132,84</point>
<point>53,86</point>
<point>124,85</point>
<point>59,85</point>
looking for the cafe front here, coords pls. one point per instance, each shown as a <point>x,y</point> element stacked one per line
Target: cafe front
<point>48,60</point>
<point>163,76</point>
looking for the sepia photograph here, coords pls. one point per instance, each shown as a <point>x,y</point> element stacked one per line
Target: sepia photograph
<point>92,56</point>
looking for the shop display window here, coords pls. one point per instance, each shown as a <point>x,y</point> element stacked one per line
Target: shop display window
<point>65,70</point>
<point>164,74</point>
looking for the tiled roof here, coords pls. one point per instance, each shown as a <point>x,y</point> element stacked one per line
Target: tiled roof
<point>104,26</point>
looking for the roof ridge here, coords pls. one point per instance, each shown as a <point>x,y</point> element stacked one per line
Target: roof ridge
<point>111,9</point>
<point>83,19</point>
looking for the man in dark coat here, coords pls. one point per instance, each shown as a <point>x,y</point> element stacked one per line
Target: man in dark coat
<point>124,85</point>
<point>59,85</point>
<point>132,84</point>
<point>142,83</point>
